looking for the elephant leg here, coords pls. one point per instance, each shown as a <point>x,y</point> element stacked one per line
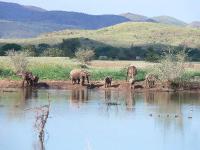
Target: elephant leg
<point>23,82</point>
<point>83,81</point>
<point>88,79</point>
<point>73,81</point>
<point>78,80</point>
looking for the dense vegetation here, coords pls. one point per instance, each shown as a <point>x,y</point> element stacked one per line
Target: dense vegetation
<point>68,48</point>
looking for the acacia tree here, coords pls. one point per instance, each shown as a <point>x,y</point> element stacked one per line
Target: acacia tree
<point>84,55</point>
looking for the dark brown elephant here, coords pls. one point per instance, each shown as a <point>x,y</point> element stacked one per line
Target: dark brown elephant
<point>28,77</point>
<point>131,72</point>
<point>79,75</point>
<point>108,81</point>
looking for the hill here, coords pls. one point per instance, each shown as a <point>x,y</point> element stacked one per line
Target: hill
<point>137,18</point>
<point>16,12</point>
<point>124,35</point>
<point>169,20</point>
<point>53,20</point>
<point>15,29</point>
<point>195,24</point>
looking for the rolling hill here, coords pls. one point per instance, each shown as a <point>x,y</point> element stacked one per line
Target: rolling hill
<point>30,16</point>
<point>15,29</point>
<point>169,20</point>
<point>195,24</point>
<point>124,35</point>
<point>137,18</point>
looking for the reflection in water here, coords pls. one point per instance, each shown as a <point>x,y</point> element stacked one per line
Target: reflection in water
<point>18,100</point>
<point>129,100</point>
<point>39,145</point>
<point>29,93</point>
<point>117,98</point>
<point>108,95</point>
<point>168,107</point>
<point>79,96</point>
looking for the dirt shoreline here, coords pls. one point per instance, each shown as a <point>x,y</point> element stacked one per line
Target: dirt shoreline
<point>117,85</point>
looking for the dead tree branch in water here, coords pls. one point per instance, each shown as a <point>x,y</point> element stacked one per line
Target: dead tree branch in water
<point>41,117</point>
<point>42,114</point>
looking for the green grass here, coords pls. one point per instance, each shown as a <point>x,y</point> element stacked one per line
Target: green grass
<point>124,35</point>
<point>61,73</point>
<point>58,68</point>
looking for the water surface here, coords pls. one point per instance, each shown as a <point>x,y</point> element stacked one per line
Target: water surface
<point>101,120</point>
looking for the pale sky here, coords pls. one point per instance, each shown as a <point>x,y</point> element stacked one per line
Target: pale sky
<point>186,10</point>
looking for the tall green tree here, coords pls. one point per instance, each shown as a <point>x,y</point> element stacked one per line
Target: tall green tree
<point>152,55</point>
<point>69,46</point>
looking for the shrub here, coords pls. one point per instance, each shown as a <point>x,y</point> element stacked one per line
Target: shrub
<point>18,60</point>
<point>171,66</point>
<point>84,56</point>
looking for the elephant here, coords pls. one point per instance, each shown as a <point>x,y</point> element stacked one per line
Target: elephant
<point>131,72</point>
<point>150,80</point>
<point>28,77</point>
<point>108,81</point>
<point>132,82</point>
<point>79,75</point>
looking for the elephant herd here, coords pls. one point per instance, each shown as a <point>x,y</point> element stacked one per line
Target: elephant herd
<point>80,76</point>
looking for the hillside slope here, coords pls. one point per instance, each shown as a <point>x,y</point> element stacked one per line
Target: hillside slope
<point>195,24</point>
<point>137,18</point>
<point>125,34</point>
<point>14,29</point>
<point>169,20</point>
<point>20,13</point>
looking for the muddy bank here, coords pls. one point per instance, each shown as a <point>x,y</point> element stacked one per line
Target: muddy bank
<point>120,85</point>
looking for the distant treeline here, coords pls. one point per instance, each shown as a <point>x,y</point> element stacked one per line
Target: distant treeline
<point>68,47</point>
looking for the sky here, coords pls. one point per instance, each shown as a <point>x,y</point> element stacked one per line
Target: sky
<point>186,10</point>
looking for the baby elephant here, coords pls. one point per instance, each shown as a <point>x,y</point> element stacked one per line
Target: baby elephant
<point>108,81</point>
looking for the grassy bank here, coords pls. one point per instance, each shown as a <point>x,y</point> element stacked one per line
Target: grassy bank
<point>57,68</point>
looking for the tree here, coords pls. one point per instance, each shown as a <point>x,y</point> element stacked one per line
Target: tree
<point>30,50</point>
<point>84,55</point>
<point>42,47</point>
<point>69,46</point>
<point>151,55</point>
<point>171,66</point>
<point>8,47</point>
